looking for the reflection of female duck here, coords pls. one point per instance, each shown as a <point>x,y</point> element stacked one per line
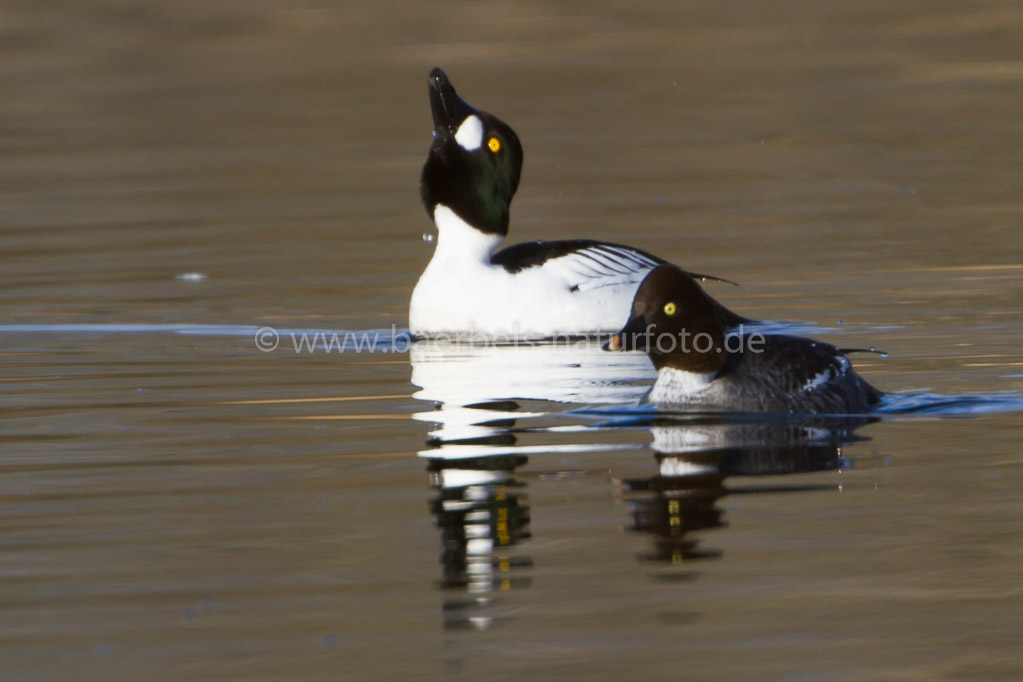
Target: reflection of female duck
<point>693,461</point>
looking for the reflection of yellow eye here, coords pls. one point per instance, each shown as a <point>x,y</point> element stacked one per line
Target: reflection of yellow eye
<point>669,308</point>
<point>494,144</point>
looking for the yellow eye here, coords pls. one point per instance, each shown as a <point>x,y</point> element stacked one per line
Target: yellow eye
<point>669,308</point>
<point>494,144</point>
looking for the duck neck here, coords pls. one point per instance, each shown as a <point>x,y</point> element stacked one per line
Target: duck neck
<point>460,242</point>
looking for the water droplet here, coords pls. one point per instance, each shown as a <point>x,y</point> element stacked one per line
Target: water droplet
<point>841,322</point>
<point>427,237</point>
<point>884,356</point>
<point>872,349</point>
<point>191,276</point>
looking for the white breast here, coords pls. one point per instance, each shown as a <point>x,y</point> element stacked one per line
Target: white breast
<point>462,292</point>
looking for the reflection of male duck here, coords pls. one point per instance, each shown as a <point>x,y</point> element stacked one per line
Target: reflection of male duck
<point>481,512</point>
<point>693,461</point>
<point>479,395</point>
<point>462,379</point>
<point>578,371</point>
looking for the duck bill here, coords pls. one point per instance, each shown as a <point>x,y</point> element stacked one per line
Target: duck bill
<point>449,110</point>
<point>632,337</point>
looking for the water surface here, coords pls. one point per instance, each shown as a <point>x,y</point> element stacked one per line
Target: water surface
<point>180,502</point>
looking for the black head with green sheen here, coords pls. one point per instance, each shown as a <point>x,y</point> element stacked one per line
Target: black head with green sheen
<point>474,163</point>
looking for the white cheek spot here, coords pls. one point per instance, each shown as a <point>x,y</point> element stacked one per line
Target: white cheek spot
<point>470,133</point>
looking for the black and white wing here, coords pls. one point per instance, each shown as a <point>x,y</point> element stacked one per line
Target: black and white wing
<point>587,264</point>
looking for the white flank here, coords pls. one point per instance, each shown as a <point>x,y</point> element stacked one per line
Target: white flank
<point>830,373</point>
<point>819,380</point>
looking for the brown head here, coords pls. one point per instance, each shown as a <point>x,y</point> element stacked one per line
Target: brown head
<point>674,322</point>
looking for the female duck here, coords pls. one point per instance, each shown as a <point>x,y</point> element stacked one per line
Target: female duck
<point>680,328</point>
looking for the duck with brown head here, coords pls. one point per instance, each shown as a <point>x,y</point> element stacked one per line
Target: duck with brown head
<point>702,364</point>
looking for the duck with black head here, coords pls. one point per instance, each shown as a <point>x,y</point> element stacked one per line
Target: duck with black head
<point>531,290</point>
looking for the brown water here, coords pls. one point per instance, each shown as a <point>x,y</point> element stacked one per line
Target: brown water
<point>178,504</point>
